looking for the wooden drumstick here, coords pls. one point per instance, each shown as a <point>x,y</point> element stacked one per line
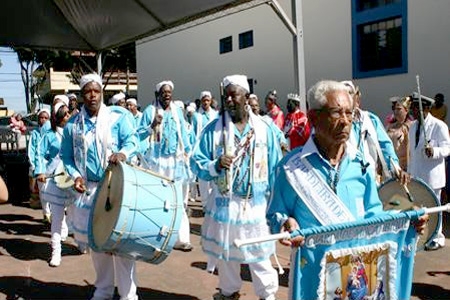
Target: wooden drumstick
<point>397,173</point>
<point>108,205</point>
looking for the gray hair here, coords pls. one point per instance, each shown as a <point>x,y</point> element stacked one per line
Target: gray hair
<point>316,97</point>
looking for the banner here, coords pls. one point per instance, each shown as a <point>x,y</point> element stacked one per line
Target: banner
<point>371,259</point>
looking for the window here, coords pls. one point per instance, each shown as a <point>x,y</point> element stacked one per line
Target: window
<point>246,39</point>
<point>226,45</point>
<point>379,37</point>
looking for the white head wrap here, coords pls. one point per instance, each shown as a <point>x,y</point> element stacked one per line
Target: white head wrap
<point>240,80</point>
<point>58,106</point>
<point>44,110</point>
<point>294,97</point>
<point>70,96</point>
<point>204,94</point>
<point>90,78</point>
<point>119,96</point>
<point>63,98</point>
<point>163,83</point>
<point>132,100</point>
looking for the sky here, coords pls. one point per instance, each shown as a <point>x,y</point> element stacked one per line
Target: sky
<point>11,85</point>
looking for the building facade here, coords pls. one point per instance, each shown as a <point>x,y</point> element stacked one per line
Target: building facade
<point>381,44</point>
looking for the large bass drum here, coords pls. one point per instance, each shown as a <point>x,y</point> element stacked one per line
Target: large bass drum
<point>137,214</point>
<point>394,197</point>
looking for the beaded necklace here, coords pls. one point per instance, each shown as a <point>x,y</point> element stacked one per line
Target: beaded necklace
<point>333,180</point>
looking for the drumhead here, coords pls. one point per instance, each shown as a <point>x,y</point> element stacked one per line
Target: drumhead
<point>104,221</point>
<point>394,197</point>
<point>63,181</point>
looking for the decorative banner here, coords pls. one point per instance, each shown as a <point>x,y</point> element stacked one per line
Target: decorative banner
<point>371,259</point>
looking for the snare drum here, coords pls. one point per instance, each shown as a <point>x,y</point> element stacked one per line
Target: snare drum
<point>62,180</point>
<point>136,214</point>
<point>394,197</point>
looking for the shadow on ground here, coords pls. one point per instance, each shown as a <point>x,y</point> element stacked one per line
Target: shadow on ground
<point>426,291</point>
<point>245,272</point>
<point>28,250</point>
<point>17,287</point>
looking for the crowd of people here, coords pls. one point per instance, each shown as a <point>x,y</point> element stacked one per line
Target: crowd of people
<point>249,167</point>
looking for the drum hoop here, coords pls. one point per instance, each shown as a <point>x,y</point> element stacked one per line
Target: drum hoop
<point>436,200</point>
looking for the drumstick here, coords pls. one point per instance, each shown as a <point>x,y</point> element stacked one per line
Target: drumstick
<point>55,175</point>
<point>108,205</point>
<point>397,173</point>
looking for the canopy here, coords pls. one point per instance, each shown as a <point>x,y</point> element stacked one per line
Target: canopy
<point>103,24</point>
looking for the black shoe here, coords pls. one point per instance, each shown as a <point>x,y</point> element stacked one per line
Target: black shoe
<point>433,246</point>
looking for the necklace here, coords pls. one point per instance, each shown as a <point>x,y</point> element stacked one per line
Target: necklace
<point>334,179</point>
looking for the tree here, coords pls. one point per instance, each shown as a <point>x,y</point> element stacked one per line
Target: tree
<point>35,65</point>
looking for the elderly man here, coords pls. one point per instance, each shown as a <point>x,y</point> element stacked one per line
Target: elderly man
<point>132,106</point>
<point>296,126</point>
<point>238,152</point>
<point>119,100</point>
<point>169,148</point>
<point>429,145</point>
<point>95,137</point>
<point>369,136</point>
<point>274,110</point>
<point>327,164</point>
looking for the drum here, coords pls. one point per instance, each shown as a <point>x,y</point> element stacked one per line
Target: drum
<point>394,197</point>
<point>136,214</point>
<point>62,179</point>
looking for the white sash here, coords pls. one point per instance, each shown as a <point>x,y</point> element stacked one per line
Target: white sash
<point>323,203</point>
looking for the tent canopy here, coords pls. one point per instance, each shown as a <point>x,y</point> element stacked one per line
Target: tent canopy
<point>103,24</point>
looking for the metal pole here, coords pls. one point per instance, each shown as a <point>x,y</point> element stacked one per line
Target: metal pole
<point>299,52</point>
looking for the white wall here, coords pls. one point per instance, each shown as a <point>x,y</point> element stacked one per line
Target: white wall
<point>191,58</point>
<point>192,61</point>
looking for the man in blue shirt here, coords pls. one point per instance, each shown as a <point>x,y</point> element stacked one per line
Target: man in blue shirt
<point>96,136</point>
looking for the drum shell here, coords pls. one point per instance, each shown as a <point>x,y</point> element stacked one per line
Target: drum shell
<point>143,204</point>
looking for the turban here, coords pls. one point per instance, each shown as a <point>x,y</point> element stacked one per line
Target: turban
<point>132,100</point>
<point>72,96</point>
<point>44,110</point>
<point>163,83</point>
<point>58,106</point>
<point>240,80</point>
<point>85,79</point>
<point>117,97</point>
<point>63,98</point>
<point>294,97</point>
<point>205,94</point>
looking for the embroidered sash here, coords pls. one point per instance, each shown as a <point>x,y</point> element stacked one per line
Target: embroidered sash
<point>323,203</point>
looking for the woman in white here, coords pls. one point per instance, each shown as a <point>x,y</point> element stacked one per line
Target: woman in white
<point>46,165</point>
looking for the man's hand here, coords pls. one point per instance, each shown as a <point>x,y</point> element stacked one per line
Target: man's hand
<point>291,225</point>
<point>79,185</point>
<point>157,121</point>
<point>224,162</point>
<point>421,224</point>
<point>41,178</point>
<point>117,157</point>
<point>403,177</point>
<point>429,152</point>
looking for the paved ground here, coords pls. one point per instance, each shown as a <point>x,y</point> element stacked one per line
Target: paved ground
<point>24,272</point>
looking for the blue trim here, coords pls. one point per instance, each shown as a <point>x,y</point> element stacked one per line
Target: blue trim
<point>375,15</point>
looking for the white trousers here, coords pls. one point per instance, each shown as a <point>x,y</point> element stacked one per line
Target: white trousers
<point>109,267</point>
<point>440,238</point>
<point>184,234</point>
<point>59,228</point>
<point>264,278</point>
<point>45,204</point>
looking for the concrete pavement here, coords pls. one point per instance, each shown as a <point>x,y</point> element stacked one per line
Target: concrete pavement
<point>25,274</point>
